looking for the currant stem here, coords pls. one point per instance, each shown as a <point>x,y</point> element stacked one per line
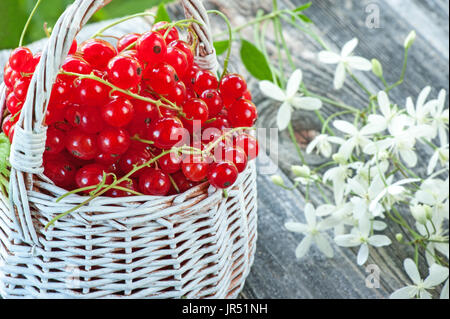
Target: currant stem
<point>22,36</point>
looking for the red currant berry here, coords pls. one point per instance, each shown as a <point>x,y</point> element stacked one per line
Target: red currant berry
<point>114,141</point>
<point>210,135</point>
<point>13,104</point>
<point>221,123</point>
<point>10,76</point>
<point>82,145</point>
<point>248,144</point>
<point>233,86</point>
<point>205,80</point>
<point>107,159</point>
<point>134,156</point>
<point>247,96</point>
<point>90,120</point>
<point>8,124</point>
<point>154,182</point>
<point>97,53</point>
<point>161,78</point>
<point>190,77</point>
<point>131,185</point>
<point>190,93</point>
<point>11,133</point>
<point>56,140</point>
<point>214,101</point>
<point>72,115</point>
<point>151,48</point>
<point>73,48</point>
<point>178,94</point>
<point>182,182</point>
<point>166,133</point>
<point>127,40</point>
<point>91,175</point>
<point>61,92</point>
<point>196,110</point>
<point>222,175</point>
<point>146,112</point>
<point>61,172</point>
<point>19,58</point>
<point>124,72</point>
<point>118,113</point>
<point>55,113</point>
<point>74,64</point>
<point>21,88</point>
<point>30,67</point>
<point>195,168</point>
<point>178,60</point>
<point>242,113</point>
<point>161,28</point>
<point>91,93</point>
<point>186,49</point>
<point>236,156</point>
<point>170,163</point>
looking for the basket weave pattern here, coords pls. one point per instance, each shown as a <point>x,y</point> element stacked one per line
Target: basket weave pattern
<point>194,245</point>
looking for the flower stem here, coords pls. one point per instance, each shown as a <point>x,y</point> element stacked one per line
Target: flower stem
<point>27,24</point>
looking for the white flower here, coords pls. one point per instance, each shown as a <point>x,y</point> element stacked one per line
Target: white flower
<point>357,138</point>
<point>444,292</point>
<point>419,112</point>
<point>313,231</point>
<point>438,239</point>
<point>345,60</point>
<point>441,155</point>
<point>435,193</point>
<point>381,122</point>
<point>341,213</point>
<point>440,117</point>
<point>419,289</point>
<point>323,145</point>
<point>338,176</point>
<point>364,202</point>
<point>392,193</point>
<point>290,99</point>
<point>361,237</point>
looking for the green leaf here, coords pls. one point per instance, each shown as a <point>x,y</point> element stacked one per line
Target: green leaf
<point>221,46</point>
<point>162,14</point>
<point>303,7</point>
<point>255,61</point>
<point>304,18</point>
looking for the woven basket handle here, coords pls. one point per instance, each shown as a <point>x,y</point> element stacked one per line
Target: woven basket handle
<point>30,133</point>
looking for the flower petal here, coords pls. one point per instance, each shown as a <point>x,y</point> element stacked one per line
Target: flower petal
<point>384,103</point>
<point>411,270</point>
<point>303,247</point>
<point>359,63</point>
<point>379,241</point>
<point>296,227</point>
<point>404,293</point>
<point>444,293</point>
<point>325,210</point>
<point>423,97</point>
<point>294,83</point>
<point>438,274</point>
<point>349,47</point>
<point>307,103</point>
<point>323,245</point>
<point>328,57</point>
<point>345,127</point>
<point>284,116</point>
<point>409,157</point>
<point>349,240</point>
<point>339,76</point>
<point>310,214</point>
<point>363,254</point>
<point>272,91</point>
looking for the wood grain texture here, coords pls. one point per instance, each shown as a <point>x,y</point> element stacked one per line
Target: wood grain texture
<point>276,273</point>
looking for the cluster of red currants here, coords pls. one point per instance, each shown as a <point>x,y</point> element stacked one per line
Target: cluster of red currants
<point>97,128</point>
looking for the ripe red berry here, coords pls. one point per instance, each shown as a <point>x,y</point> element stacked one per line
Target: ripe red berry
<point>151,48</point>
<point>170,163</point>
<point>221,123</point>
<point>178,60</point>
<point>190,77</point>
<point>55,113</point>
<point>90,119</point>
<point>91,175</point>
<point>214,101</point>
<point>13,104</point>
<point>242,113</point>
<point>131,185</point>
<point>56,140</point>
<point>161,78</point>
<point>161,28</point>
<point>97,53</point>
<point>61,92</point>
<point>126,40</point>
<point>118,113</point>
<point>236,156</point>
<point>107,159</point>
<point>61,172</point>
<point>248,144</point>
<point>195,168</point>
<point>74,64</point>
<point>205,80</point>
<point>186,49</point>
<point>145,112</point>
<point>166,133</point>
<point>19,58</point>
<point>178,94</point>
<point>8,124</point>
<point>196,110</point>
<point>154,182</point>
<point>124,72</point>
<point>10,76</point>
<point>222,175</point>
<point>91,93</point>
<point>21,88</point>
<point>114,141</point>
<point>233,86</point>
<point>134,156</point>
<point>82,145</point>
<point>30,67</point>
<point>73,48</point>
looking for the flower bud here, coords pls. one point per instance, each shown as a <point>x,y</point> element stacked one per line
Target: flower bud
<point>377,68</point>
<point>301,171</point>
<point>421,213</point>
<point>277,180</point>
<point>410,39</point>
<point>399,237</point>
<point>338,158</point>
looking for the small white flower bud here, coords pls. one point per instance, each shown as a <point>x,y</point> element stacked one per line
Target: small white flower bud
<point>399,237</point>
<point>377,68</point>
<point>338,158</point>
<point>301,171</point>
<point>277,180</point>
<point>420,213</point>
<point>410,39</point>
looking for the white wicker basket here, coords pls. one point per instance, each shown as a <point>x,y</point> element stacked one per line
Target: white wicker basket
<point>194,245</point>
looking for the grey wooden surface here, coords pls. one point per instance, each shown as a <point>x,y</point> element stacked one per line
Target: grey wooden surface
<point>276,272</point>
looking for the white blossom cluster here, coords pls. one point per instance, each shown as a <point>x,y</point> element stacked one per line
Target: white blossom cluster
<point>373,175</point>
